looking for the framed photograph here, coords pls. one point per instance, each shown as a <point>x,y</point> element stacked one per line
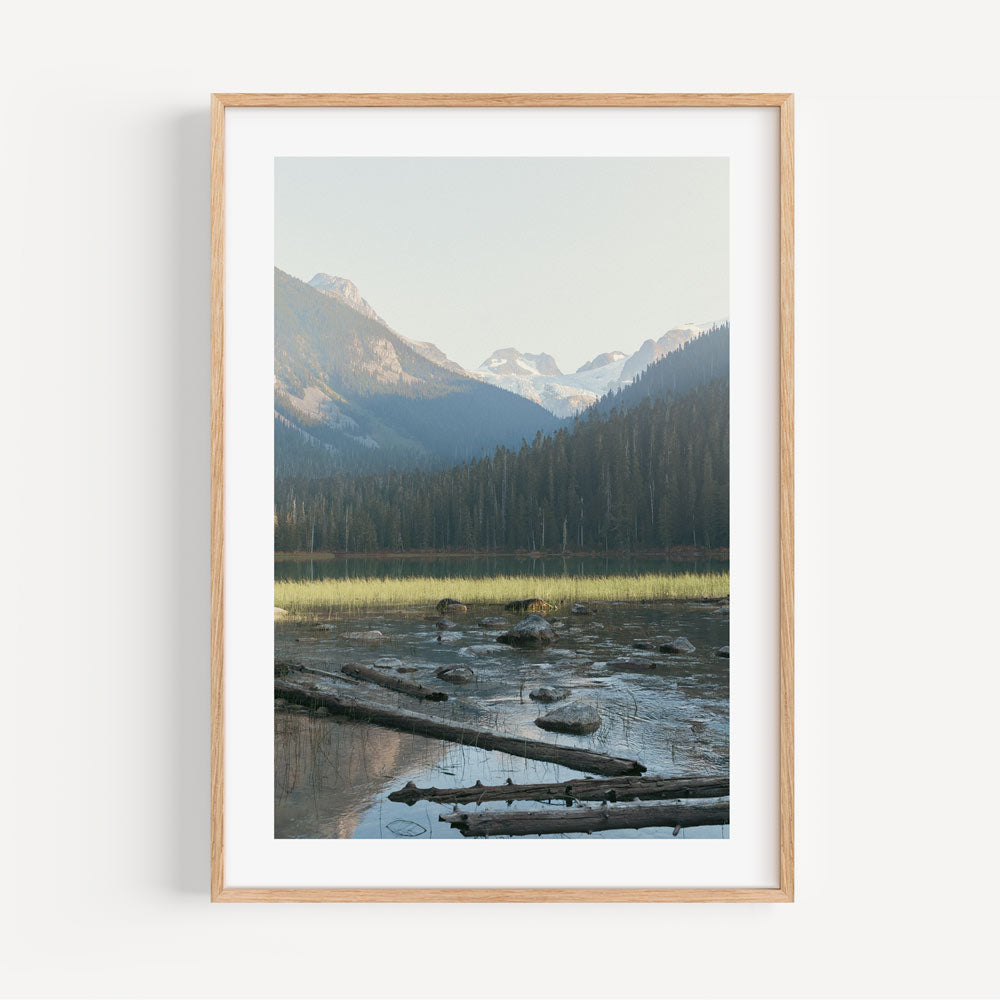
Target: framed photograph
<point>502,565</point>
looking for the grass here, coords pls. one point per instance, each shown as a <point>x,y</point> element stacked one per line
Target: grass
<point>305,596</point>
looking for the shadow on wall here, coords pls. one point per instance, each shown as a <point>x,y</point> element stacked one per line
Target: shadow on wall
<point>186,626</point>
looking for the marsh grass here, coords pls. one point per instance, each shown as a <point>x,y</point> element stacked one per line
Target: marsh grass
<point>312,596</point>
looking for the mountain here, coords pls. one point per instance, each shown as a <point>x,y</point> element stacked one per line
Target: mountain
<point>347,292</point>
<point>537,376</point>
<point>698,362</point>
<point>602,361</point>
<point>344,291</point>
<point>652,350</point>
<point>351,391</point>
<point>510,361</point>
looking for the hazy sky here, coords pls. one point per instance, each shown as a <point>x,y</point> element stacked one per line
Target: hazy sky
<point>571,256</point>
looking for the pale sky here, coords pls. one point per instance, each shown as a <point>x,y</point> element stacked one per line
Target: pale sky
<point>570,256</point>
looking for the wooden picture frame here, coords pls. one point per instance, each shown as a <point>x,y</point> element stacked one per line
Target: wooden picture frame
<point>785,890</point>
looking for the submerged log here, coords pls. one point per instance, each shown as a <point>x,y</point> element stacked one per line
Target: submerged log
<point>392,683</point>
<point>512,823</point>
<point>588,761</point>
<point>583,790</point>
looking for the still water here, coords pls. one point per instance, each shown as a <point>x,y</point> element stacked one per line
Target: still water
<point>332,776</point>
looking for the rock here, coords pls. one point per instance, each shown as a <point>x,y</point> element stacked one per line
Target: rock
<point>577,719</point>
<point>404,828</point>
<point>455,675</point>
<point>280,703</point>
<point>548,694</point>
<point>280,611</point>
<point>481,650</point>
<point>406,670</point>
<point>580,609</point>
<point>450,604</point>
<point>632,664</point>
<point>643,644</point>
<point>531,631</point>
<point>531,604</point>
<point>445,623</point>
<point>492,622</point>
<point>321,711</point>
<point>388,663</point>
<point>369,635</point>
<point>724,652</point>
<point>678,645</point>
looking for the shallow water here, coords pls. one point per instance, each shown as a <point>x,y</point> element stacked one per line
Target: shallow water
<point>332,776</point>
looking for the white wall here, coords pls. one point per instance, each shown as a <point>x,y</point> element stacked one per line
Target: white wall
<point>105,748</point>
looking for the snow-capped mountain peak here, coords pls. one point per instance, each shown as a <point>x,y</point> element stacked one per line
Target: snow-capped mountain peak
<point>537,376</point>
<point>602,360</point>
<point>510,361</point>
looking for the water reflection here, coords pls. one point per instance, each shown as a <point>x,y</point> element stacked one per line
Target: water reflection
<point>670,712</point>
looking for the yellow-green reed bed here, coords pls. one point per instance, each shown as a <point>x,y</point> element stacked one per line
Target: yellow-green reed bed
<point>311,596</point>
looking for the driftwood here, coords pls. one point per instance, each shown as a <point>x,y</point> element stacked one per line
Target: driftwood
<point>513,823</point>
<point>588,761</point>
<point>385,680</point>
<point>583,790</point>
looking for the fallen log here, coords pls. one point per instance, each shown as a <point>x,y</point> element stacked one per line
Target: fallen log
<point>588,761</point>
<point>411,688</point>
<point>584,790</point>
<point>513,823</point>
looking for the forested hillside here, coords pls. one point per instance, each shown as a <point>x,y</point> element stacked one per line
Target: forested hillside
<point>699,361</point>
<point>647,473</point>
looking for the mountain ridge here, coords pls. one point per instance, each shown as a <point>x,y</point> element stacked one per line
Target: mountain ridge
<point>536,377</point>
<point>351,386</point>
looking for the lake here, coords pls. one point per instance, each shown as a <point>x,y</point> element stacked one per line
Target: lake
<point>671,712</point>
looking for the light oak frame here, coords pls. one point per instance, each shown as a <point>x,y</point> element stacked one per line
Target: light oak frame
<point>785,892</point>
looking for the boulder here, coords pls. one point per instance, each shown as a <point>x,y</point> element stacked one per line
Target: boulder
<point>492,622</point>
<point>576,719</point>
<point>548,694</point>
<point>388,663</point>
<point>280,611</point>
<point>531,631</point>
<point>450,604</point>
<point>481,649</point>
<point>529,604</point>
<point>580,609</point>
<point>678,645</point>
<point>724,652</point>
<point>455,675</point>
<point>406,670</point>
<point>445,623</point>
<point>369,635</point>
<point>644,644</point>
